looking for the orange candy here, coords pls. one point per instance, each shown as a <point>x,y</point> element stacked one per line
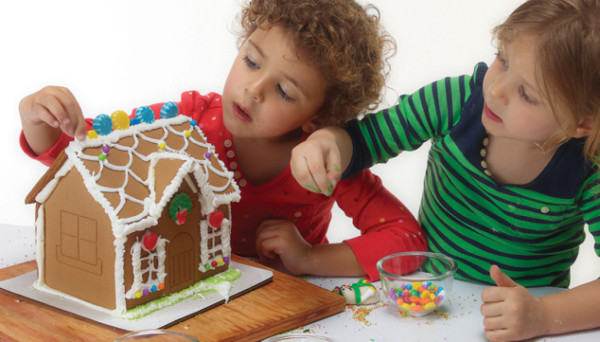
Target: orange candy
<point>414,299</point>
<point>425,300</point>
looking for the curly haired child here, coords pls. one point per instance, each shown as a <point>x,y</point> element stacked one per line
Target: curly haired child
<point>301,65</point>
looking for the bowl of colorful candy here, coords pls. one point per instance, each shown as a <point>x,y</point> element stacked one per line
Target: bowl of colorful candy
<point>416,283</point>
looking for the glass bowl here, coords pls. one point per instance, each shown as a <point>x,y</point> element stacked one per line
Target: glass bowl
<point>299,338</point>
<point>416,283</point>
<point>156,335</point>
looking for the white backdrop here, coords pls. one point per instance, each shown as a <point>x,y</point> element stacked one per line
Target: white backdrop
<point>118,54</point>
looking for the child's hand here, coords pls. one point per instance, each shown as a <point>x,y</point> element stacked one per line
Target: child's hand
<point>510,311</point>
<point>316,163</point>
<point>48,110</point>
<point>281,239</point>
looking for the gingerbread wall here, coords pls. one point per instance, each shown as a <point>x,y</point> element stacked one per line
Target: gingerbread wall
<point>78,244</point>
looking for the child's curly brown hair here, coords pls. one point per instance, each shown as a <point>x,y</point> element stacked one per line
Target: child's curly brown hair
<point>344,42</point>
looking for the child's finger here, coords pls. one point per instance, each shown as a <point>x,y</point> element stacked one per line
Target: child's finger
<point>74,123</point>
<point>43,115</point>
<point>54,107</point>
<point>498,335</point>
<point>491,309</point>
<point>313,176</point>
<point>334,173</point>
<point>500,278</point>
<point>494,323</point>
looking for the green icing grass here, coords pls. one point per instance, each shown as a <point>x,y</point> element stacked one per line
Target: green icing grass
<point>174,298</point>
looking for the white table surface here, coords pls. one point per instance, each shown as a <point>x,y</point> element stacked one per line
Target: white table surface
<point>460,320</point>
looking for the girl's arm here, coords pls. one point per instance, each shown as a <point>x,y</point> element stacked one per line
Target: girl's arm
<point>279,240</point>
<point>385,224</point>
<point>426,114</point>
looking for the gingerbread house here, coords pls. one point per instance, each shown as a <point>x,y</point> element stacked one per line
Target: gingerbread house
<point>136,212</point>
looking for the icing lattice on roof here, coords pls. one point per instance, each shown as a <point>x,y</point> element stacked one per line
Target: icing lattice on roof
<point>133,173</point>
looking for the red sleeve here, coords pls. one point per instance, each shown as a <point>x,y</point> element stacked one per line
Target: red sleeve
<point>48,157</point>
<point>386,225</point>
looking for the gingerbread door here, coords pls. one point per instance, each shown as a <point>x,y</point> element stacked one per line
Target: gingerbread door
<point>181,262</point>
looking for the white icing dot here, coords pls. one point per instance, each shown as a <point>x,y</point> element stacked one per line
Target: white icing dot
<point>237,175</point>
<point>233,165</point>
<point>297,214</point>
<point>242,182</point>
<point>545,210</point>
<point>214,118</point>
<point>230,154</point>
<point>227,143</point>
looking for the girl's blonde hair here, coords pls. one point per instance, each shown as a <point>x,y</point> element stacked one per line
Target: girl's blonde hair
<point>567,55</point>
<point>345,43</point>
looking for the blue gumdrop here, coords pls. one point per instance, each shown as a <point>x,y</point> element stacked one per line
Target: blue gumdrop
<point>134,121</point>
<point>102,124</point>
<point>168,110</point>
<point>144,114</point>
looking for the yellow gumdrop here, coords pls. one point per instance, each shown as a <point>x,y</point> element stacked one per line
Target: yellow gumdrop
<point>188,134</point>
<point>405,306</point>
<point>416,285</point>
<point>220,261</point>
<point>432,296</point>
<point>92,134</point>
<point>429,306</point>
<point>161,146</point>
<point>120,120</point>
<point>425,294</point>
<point>138,294</point>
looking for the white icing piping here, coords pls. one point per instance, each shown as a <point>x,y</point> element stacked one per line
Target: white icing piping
<point>39,245</point>
<point>155,273</point>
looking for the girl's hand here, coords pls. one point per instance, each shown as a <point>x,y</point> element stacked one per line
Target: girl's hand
<point>318,163</point>
<point>281,239</point>
<point>510,311</point>
<point>47,112</point>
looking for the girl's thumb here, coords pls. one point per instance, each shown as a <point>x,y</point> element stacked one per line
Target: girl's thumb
<point>500,278</point>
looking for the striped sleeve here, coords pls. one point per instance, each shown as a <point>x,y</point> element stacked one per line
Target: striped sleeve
<point>426,114</point>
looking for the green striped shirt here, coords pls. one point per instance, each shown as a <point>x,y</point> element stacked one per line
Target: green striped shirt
<point>531,231</point>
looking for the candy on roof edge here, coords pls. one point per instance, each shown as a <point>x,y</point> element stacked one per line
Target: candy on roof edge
<point>119,120</point>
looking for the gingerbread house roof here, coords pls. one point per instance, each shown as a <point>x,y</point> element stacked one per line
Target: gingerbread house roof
<point>134,172</point>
